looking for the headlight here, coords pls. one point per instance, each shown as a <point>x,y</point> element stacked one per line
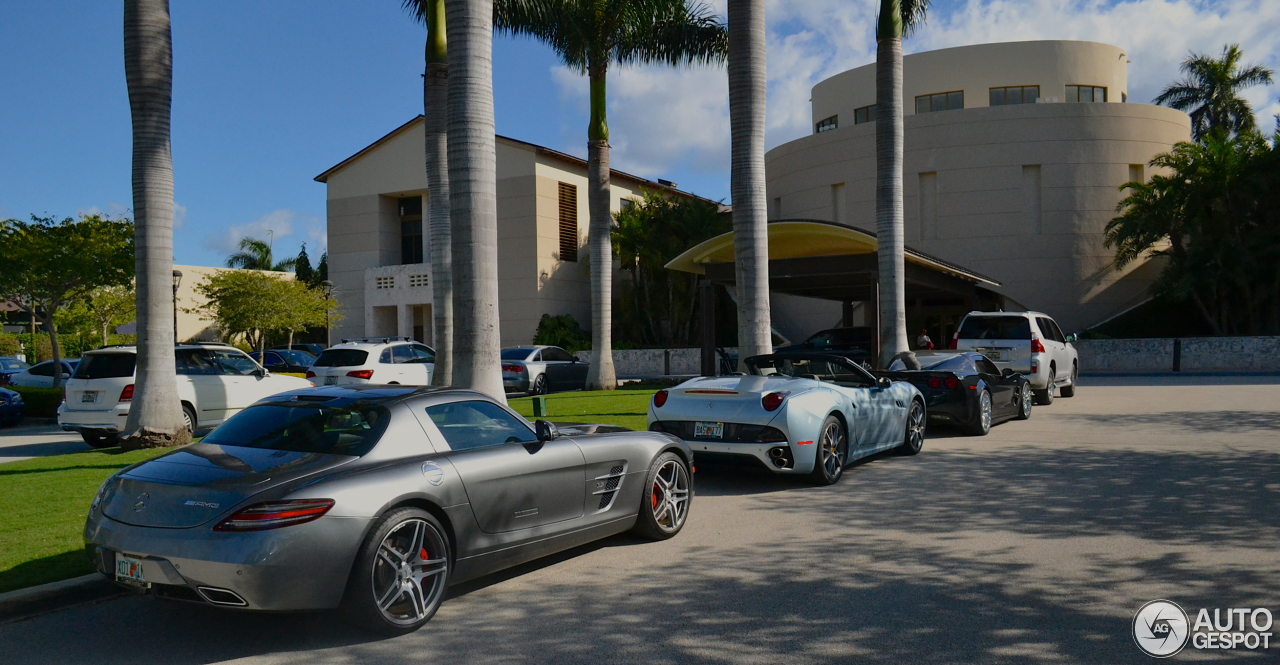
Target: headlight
<point>4,399</point>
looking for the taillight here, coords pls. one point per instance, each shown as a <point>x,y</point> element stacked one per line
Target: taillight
<point>361,374</point>
<point>126,395</point>
<point>951,383</point>
<point>275,514</point>
<point>512,368</point>
<point>955,340</point>
<point>772,401</point>
<point>935,383</point>
<point>660,398</point>
<point>1036,346</point>
<point>311,374</point>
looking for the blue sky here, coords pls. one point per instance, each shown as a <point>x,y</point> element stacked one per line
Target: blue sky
<point>269,94</point>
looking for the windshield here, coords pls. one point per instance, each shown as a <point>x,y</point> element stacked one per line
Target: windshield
<point>106,366</point>
<point>341,358</point>
<point>821,369</point>
<point>305,428</point>
<point>516,354</point>
<point>995,327</point>
<point>959,363</point>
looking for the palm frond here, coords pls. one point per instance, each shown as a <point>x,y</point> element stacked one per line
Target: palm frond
<point>417,9</point>
<point>914,13</point>
<point>671,32</point>
<point>563,25</point>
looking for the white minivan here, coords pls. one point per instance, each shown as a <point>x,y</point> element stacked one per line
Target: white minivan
<point>215,381</point>
<point>1029,343</point>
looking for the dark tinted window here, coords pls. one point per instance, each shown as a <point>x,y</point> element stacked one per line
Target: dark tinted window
<point>422,354</point>
<point>42,369</point>
<point>194,362</point>
<point>385,356</point>
<point>297,357</point>
<point>342,358</point>
<point>996,327</point>
<point>477,424</point>
<point>987,367</point>
<point>304,428</point>
<point>401,354</point>
<point>553,354</point>
<point>106,366</point>
<point>519,353</point>
<point>1057,332</point>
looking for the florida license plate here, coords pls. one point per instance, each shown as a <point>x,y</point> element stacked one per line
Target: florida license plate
<point>89,396</point>
<point>995,355</point>
<point>708,430</point>
<point>129,570</point>
<point>330,380</point>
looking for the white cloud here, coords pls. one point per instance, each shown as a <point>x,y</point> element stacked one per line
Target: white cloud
<point>281,222</point>
<point>179,215</point>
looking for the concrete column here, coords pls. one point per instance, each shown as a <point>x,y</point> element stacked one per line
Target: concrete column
<point>404,320</point>
<point>368,320</point>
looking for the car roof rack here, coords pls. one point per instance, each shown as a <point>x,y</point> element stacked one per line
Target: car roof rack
<point>376,340</point>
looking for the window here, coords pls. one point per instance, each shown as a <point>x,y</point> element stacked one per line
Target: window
<point>1050,329</point>
<point>477,424</point>
<point>516,353</point>
<point>42,369</point>
<point>552,354</point>
<point>568,222</point>
<point>826,125</point>
<point>1018,94</point>
<point>942,101</point>
<point>987,367</point>
<point>305,428</point>
<point>388,282</point>
<point>401,354</point>
<point>341,358</point>
<point>195,362</point>
<point>106,366</point>
<point>235,363</point>
<point>411,229</point>
<point>995,327</point>
<point>385,357</point>
<point>417,280</point>
<point>1136,173</point>
<point>422,354</point>
<point>1086,93</point>
<point>864,114</point>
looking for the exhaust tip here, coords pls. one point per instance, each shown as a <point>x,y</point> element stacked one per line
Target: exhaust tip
<point>218,596</point>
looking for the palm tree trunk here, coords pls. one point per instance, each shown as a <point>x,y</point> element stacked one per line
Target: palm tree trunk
<point>747,88</point>
<point>155,417</point>
<point>889,216</point>
<point>601,375</point>
<point>435,101</point>
<point>473,197</point>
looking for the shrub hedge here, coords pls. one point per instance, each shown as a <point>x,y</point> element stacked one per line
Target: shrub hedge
<point>41,402</point>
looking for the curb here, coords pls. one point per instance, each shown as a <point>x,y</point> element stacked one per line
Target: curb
<point>45,598</point>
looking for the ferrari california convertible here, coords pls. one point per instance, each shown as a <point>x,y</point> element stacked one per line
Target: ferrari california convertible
<point>374,499</point>
<point>796,413</point>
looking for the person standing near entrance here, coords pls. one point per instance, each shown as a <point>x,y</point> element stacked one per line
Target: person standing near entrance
<point>923,341</point>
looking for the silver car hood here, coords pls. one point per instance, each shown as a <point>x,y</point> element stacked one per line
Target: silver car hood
<point>195,484</point>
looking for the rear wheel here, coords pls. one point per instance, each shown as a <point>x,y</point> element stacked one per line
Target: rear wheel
<point>400,574</point>
<point>1046,396</point>
<point>668,493</point>
<point>540,385</point>
<point>1070,390</point>
<point>189,418</point>
<point>1024,401</point>
<point>98,440</point>
<point>833,450</point>
<point>913,441</point>
<point>982,424</point>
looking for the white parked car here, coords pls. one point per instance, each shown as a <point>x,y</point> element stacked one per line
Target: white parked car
<point>40,375</point>
<point>389,360</point>
<point>215,381</point>
<point>539,370</point>
<point>1029,343</point>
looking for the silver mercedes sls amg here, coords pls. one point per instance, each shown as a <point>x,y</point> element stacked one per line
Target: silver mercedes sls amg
<point>374,499</point>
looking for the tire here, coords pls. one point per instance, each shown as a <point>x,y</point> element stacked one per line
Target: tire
<point>400,574</point>
<point>913,438</point>
<point>667,497</point>
<point>95,440</point>
<point>539,385</point>
<point>832,453</point>
<point>1024,401</point>
<point>982,425</point>
<point>1045,396</point>
<point>189,418</point>
<point>1070,390</point>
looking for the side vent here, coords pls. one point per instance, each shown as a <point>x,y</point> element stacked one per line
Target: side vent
<point>611,482</point>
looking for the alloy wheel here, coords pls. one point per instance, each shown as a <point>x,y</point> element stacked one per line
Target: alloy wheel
<point>833,449</point>
<point>410,572</point>
<point>985,410</point>
<point>670,496</point>
<point>1024,400</point>
<point>915,427</point>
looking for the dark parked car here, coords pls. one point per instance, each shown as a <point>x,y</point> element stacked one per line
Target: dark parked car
<point>306,347</point>
<point>10,366</point>
<point>11,407</point>
<point>279,360</point>
<point>855,343</point>
<point>964,388</point>
<point>538,370</point>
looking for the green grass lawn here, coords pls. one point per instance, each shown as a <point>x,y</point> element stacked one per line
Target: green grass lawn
<point>43,506</point>
<point>607,407</point>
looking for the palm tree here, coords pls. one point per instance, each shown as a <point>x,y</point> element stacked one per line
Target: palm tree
<point>590,36</point>
<point>1210,92</point>
<point>155,418</point>
<point>255,254</point>
<point>897,19</point>
<point>747,87</point>
<point>473,196</point>
<point>435,98</point>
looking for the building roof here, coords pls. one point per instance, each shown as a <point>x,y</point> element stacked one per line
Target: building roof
<point>541,150</point>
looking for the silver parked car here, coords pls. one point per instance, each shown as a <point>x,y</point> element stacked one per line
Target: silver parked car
<point>539,370</point>
<point>375,499</point>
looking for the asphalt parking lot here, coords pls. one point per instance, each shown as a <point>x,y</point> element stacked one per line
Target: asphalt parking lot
<point>1035,544</point>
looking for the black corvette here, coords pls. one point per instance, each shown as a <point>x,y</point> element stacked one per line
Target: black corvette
<point>964,388</point>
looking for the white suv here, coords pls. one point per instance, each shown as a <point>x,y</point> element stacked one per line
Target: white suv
<point>397,360</point>
<point>215,381</point>
<point>1030,343</point>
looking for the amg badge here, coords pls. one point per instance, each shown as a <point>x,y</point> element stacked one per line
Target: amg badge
<point>202,504</point>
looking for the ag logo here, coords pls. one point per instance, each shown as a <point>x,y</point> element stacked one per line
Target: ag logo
<point>1161,628</point>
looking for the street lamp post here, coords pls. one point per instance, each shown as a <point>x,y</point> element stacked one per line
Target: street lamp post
<point>328,292</point>
<point>177,280</point>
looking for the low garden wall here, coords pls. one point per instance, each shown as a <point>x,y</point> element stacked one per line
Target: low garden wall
<point>653,363</point>
<point>1188,354</point>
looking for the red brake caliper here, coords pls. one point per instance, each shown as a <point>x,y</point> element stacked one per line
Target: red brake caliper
<point>654,495</point>
<point>423,554</point>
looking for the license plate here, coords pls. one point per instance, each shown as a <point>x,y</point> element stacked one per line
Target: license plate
<point>129,570</point>
<point>89,396</point>
<point>708,430</point>
<point>330,380</point>
<point>994,355</point>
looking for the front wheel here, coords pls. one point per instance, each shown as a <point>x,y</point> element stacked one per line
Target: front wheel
<point>833,450</point>
<point>400,574</point>
<point>95,440</point>
<point>189,418</point>
<point>1024,401</point>
<point>981,426</point>
<point>913,441</point>
<point>668,493</point>
<point>540,385</point>
<point>1070,389</point>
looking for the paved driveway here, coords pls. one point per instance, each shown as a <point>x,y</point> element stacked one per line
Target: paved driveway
<point>1035,544</point>
<point>37,440</point>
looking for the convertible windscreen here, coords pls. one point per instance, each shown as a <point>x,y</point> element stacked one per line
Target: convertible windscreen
<point>305,428</point>
<point>810,368</point>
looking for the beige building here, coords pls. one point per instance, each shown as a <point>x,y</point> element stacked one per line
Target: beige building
<point>378,248</point>
<point>1014,156</point>
<point>193,323</point>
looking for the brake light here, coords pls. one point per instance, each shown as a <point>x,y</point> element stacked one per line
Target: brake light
<point>311,374</point>
<point>951,383</point>
<point>512,368</point>
<point>1036,346</point>
<point>772,401</point>
<point>660,398</point>
<point>126,395</point>
<point>935,383</point>
<point>955,340</point>
<point>361,374</point>
<point>275,514</point>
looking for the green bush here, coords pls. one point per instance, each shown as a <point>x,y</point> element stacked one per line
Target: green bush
<point>41,402</point>
<point>562,331</point>
<point>9,346</point>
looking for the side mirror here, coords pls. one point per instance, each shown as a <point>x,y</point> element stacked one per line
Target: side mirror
<point>546,431</point>
<point>884,382</point>
<point>1071,338</point>
<point>1008,373</point>
<point>263,373</point>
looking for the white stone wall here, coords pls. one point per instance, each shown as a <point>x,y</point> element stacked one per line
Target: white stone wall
<point>1229,354</point>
